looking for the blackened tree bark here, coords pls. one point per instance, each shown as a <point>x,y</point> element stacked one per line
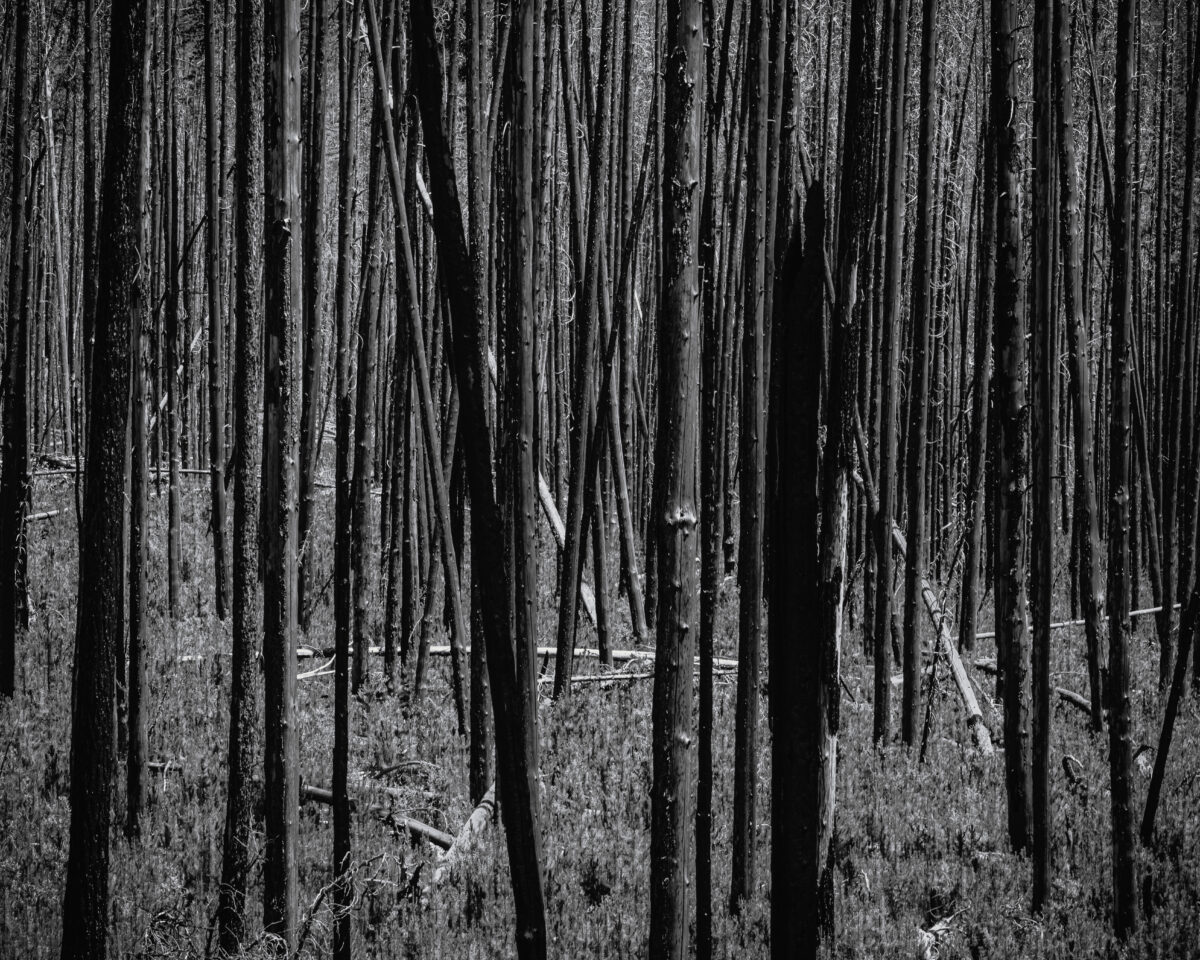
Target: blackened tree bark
<point>1120,720</point>
<point>102,571</point>
<point>798,689</point>
<point>216,320</point>
<point>343,894</point>
<point>1043,370</point>
<point>1012,461</point>
<point>245,707</point>
<point>1087,516</point>
<point>674,511</point>
<point>922,305</point>
<point>890,381</point>
<point>751,460</point>
<point>281,394</point>
<point>515,749</point>
<point>14,478</point>
<point>314,250</point>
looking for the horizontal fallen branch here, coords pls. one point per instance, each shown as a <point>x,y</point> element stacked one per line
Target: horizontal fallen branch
<point>419,830</point>
<point>1063,624</point>
<point>988,665</point>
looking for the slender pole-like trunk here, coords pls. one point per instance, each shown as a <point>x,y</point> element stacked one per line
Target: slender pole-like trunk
<point>343,894</point>
<point>1086,511</point>
<point>314,283</point>
<point>1012,460</point>
<point>14,384</point>
<point>751,461</point>
<point>172,326</point>
<point>1043,368</point>
<point>120,295</point>
<point>245,697</point>
<point>922,308</point>
<point>889,356</point>
<point>135,677</point>
<point>216,320</point>
<point>1120,720</point>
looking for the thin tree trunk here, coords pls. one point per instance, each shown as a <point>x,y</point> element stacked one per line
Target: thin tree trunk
<point>14,479</point>
<point>1012,463</point>
<point>216,320</point>
<point>245,698</point>
<point>1120,723</point>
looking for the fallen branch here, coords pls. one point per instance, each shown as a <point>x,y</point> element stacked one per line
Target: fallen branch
<point>419,830</point>
<point>988,665</point>
<point>1063,624</point>
<point>975,722</point>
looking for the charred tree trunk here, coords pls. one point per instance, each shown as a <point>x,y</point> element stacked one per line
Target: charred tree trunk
<point>120,295</point>
<point>245,698</point>
<point>281,395</point>
<point>674,513</point>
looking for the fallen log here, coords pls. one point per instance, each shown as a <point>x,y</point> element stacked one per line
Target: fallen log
<point>988,665</point>
<point>1063,624</point>
<point>417,829</point>
<point>975,722</point>
<point>479,820</point>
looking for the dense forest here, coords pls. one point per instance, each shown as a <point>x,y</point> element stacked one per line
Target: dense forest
<point>667,478</point>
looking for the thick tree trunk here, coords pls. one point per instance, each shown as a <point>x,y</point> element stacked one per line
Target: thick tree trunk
<point>798,690</point>
<point>281,396</point>
<point>674,511</point>
<point>120,296</point>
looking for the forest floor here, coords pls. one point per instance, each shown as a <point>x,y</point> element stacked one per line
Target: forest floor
<point>918,846</point>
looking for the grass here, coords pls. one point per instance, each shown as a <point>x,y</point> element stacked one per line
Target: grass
<point>915,843</point>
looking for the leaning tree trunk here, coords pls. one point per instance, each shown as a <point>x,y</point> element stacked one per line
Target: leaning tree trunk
<point>281,395</point>
<point>120,296</point>
<point>245,709</point>
<point>1120,720</point>
<point>515,749</point>
<point>674,512</point>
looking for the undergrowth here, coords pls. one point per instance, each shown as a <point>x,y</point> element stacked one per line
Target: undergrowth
<point>918,847</point>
